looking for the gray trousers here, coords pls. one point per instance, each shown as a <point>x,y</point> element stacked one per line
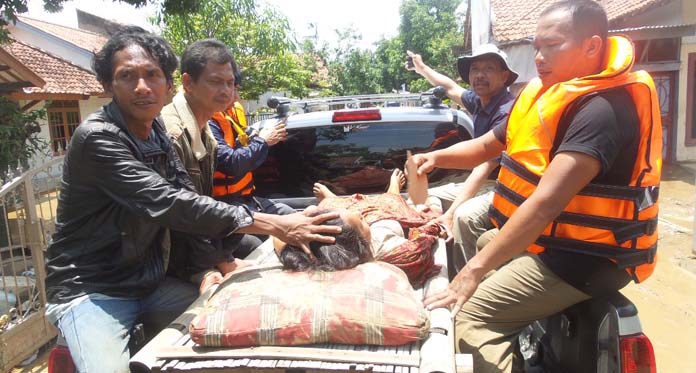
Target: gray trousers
<point>471,221</point>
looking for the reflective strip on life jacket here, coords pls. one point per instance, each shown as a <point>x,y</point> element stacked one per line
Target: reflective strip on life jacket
<point>616,222</point>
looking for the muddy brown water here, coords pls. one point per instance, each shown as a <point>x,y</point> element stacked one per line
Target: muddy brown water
<point>666,301</point>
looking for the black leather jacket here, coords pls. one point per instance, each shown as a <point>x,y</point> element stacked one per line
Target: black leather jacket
<point>116,203</point>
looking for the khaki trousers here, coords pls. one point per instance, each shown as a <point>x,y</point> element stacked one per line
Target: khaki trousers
<point>520,292</point>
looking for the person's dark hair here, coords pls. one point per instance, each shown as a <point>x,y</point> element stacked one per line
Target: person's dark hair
<point>200,52</point>
<point>237,77</point>
<point>588,17</point>
<point>349,250</point>
<point>153,45</point>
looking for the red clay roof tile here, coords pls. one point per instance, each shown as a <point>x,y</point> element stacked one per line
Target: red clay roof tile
<point>516,20</point>
<point>61,76</point>
<point>87,40</point>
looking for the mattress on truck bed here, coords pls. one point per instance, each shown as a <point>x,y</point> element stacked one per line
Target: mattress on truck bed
<point>173,351</point>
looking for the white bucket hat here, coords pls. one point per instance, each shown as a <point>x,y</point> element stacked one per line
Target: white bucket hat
<point>484,50</point>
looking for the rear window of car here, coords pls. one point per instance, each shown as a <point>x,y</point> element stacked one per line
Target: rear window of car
<point>351,159</point>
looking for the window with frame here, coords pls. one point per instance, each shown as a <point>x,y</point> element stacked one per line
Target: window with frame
<point>63,118</point>
<point>691,101</point>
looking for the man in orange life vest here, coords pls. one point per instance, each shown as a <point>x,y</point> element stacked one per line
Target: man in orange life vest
<point>576,198</point>
<point>239,153</point>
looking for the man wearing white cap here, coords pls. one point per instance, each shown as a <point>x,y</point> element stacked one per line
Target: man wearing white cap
<point>489,101</point>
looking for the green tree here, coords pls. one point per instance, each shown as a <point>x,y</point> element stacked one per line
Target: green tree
<point>428,27</point>
<point>353,70</point>
<point>19,134</point>
<point>389,56</point>
<point>260,39</point>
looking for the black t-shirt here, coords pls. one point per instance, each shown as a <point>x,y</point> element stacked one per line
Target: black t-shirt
<point>606,127</point>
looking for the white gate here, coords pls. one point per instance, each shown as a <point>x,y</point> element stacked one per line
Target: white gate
<point>27,214</point>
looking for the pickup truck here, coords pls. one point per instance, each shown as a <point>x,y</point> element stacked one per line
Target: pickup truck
<point>354,151</point>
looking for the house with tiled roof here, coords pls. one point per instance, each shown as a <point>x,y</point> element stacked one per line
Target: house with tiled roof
<point>73,44</point>
<point>49,66</point>
<point>663,32</point>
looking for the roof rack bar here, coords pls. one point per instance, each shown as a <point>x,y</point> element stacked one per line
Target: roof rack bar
<point>341,100</point>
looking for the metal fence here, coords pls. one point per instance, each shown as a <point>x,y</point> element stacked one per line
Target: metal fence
<point>253,118</point>
<point>28,204</point>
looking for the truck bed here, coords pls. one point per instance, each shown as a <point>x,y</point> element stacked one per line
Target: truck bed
<point>173,351</point>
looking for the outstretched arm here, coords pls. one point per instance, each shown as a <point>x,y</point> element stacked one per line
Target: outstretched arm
<point>454,91</point>
<point>464,155</point>
<point>567,174</point>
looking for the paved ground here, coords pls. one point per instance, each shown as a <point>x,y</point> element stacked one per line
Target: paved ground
<point>667,300</point>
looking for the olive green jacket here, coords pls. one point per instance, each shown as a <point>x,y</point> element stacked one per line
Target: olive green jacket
<point>197,149</point>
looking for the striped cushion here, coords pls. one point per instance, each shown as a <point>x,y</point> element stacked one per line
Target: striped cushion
<point>370,304</point>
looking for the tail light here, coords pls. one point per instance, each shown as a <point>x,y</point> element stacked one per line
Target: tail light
<point>356,115</point>
<point>637,354</point>
<point>60,361</point>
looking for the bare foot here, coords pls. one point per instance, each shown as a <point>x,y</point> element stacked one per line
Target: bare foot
<point>321,191</point>
<point>396,181</point>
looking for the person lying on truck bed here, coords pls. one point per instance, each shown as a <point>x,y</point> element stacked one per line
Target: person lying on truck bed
<point>372,228</point>
<point>123,188</point>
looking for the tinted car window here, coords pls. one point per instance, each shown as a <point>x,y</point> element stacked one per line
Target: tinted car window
<point>350,159</point>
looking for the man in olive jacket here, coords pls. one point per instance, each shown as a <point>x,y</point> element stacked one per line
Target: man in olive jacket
<point>123,188</point>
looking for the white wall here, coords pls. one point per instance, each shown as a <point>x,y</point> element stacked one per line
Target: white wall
<point>685,153</point>
<point>481,15</point>
<point>52,44</point>
<point>87,107</point>
<point>251,106</point>
<point>521,58</point>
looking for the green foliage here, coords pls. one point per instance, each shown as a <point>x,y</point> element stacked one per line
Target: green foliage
<point>428,27</point>
<point>353,71</point>
<point>260,39</point>
<point>19,134</point>
<point>431,28</point>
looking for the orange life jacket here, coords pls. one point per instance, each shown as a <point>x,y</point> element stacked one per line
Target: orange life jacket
<point>612,221</point>
<point>233,124</point>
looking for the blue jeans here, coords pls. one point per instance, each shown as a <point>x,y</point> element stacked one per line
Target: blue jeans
<point>97,330</point>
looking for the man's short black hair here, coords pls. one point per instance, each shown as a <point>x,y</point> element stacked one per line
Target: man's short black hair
<point>200,52</point>
<point>349,250</point>
<point>153,45</point>
<point>588,17</point>
<point>237,77</point>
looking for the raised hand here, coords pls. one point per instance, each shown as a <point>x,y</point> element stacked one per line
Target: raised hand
<point>274,134</point>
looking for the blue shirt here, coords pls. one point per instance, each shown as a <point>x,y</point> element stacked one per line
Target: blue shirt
<point>495,113</point>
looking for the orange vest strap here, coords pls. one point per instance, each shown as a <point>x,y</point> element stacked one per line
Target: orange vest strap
<point>232,123</point>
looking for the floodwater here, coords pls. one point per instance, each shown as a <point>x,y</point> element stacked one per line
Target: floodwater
<point>666,301</point>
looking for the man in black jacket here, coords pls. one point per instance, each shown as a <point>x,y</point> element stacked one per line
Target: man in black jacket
<point>123,187</point>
